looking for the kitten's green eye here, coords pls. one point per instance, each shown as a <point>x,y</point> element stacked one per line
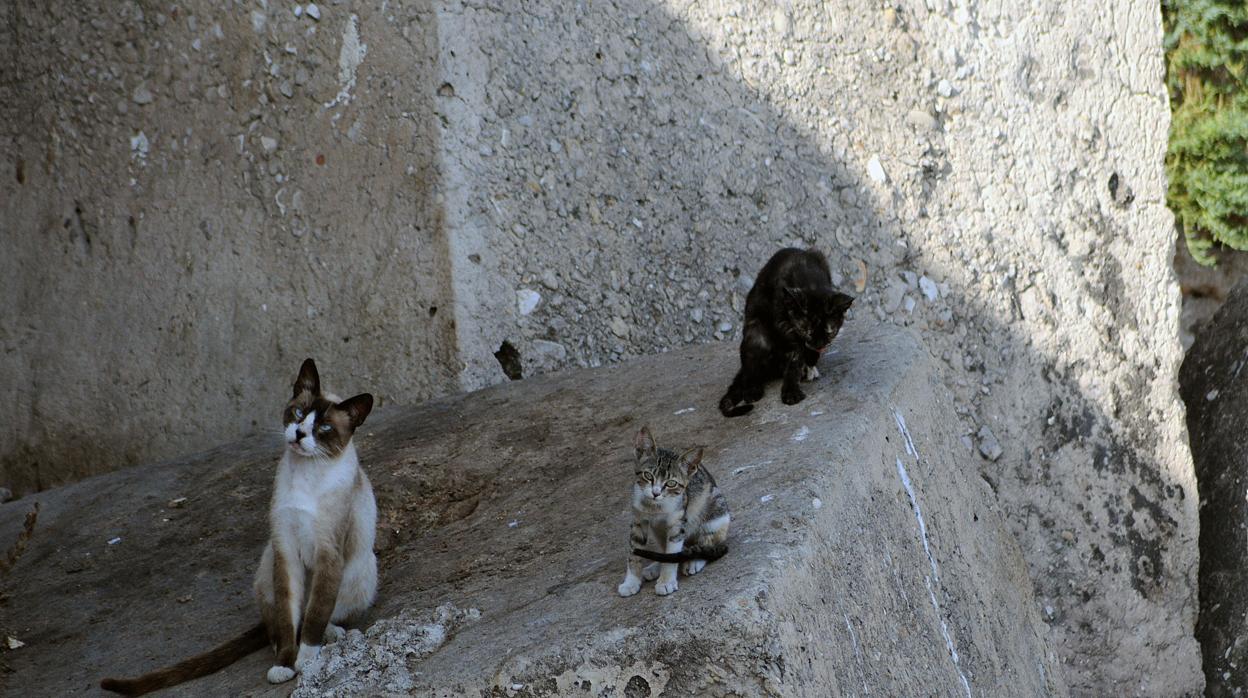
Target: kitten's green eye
<point>325,428</point>
<point>672,484</point>
<point>298,413</point>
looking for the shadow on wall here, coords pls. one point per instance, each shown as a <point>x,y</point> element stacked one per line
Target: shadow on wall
<point>638,162</point>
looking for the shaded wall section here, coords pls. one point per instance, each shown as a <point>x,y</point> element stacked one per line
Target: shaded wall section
<point>196,197</point>
<point>989,174</point>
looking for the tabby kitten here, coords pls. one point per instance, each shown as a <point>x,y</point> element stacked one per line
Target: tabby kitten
<point>792,314</point>
<point>318,567</point>
<point>679,517</point>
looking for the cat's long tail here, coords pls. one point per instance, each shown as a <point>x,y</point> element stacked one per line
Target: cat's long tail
<point>200,665</point>
<point>711,552</point>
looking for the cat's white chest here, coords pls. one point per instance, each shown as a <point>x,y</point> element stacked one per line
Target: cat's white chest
<point>304,491</point>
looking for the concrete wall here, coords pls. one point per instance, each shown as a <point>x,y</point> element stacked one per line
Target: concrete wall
<point>196,197</point>
<point>600,180</point>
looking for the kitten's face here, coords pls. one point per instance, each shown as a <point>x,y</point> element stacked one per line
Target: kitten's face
<point>662,475</point>
<point>816,316</point>
<point>316,426</point>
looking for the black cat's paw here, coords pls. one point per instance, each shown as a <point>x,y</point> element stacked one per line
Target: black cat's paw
<point>792,396</point>
<point>754,394</point>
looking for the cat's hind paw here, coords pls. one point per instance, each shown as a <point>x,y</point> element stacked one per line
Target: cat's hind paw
<point>692,567</point>
<point>629,586</point>
<point>280,674</point>
<point>650,572</point>
<point>792,396</point>
<point>334,633</point>
<point>665,587</point>
<point>307,653</point>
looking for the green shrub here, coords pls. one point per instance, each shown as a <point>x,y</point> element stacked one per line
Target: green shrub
<point>1207,161</point>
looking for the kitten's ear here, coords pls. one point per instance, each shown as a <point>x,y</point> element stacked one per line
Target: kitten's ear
<point>357,408</point>
<point>308,379</point>
<point>840,303</point>
<point>692,459</point>
<point>643,443</point>
<point>794,298</point>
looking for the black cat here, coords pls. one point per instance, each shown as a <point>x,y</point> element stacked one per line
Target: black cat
<point>792,314</point>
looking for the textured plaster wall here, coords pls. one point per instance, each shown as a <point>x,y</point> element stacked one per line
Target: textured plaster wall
<point>988,173</point>
<point>196,196</point>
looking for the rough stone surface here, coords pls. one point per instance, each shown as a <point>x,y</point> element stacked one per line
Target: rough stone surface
<point>655,153</point>
<point>1215,395</point>
<point>648,156</point>
<point>868,557</point>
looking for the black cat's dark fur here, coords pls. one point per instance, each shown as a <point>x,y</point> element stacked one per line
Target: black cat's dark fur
<point>792,314</point>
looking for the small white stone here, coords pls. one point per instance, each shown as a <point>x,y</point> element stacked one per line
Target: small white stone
<point>1212,395</point>
<point>944,88</point>
<point>269,144</point>
<point>876,170</point>
<point>619,327</point>
<point>816,503</point>
<point>790,58</point>
<point>142,95</point>
<point>725,327</point>
<point>928,287</point>
<point>527,300</point>
<point>139,145</point>
<point>298,10</point>
<point>313,11</point>
<point>696,315</point>
<point>766,498</point>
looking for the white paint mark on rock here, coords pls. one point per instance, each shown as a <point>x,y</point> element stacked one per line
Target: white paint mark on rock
<point>766,498</point>
<point>686,410</point>
<point>350,56</point>
<point>933,580</point>
<point>801,434</point>
<point>114,541</point>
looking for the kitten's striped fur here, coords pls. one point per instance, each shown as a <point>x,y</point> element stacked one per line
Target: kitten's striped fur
<point>679,517</point>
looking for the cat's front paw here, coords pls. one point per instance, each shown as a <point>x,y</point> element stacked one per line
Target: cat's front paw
<point>280,674</point>
<point>650,572</point>
<point>754,393</point>
<point>307,653</point>
<point>692,567</point>
<point>629,586</point>
<point>334,633</point>
<point>665,586</point>
<point>792,396</point>
<point>810,373</point>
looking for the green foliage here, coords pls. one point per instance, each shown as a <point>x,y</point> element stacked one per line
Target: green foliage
<point>1207,161</point>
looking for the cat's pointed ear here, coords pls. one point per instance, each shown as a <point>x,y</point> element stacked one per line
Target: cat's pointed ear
<point>794,298</point>
<point>357,408</point>
<point>308,379</point>
<point>643,443</point>
<point>841,302</point>
<point>691,460</point>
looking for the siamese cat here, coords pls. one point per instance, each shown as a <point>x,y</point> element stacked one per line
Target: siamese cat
<point>318,568</point>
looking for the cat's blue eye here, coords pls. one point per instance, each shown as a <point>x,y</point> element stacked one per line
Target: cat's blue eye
<point>298,413</point>
<point>325,428</point>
